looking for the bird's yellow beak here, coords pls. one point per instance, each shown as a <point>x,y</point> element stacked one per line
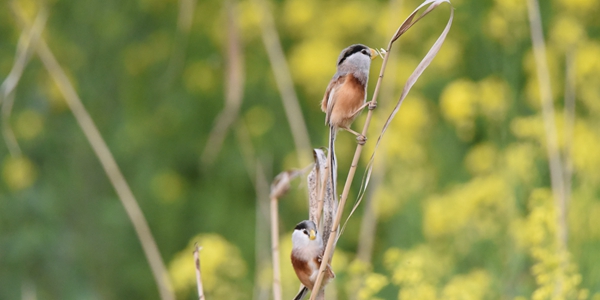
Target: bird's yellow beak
<point>312,235</point>
<point>374,53</point>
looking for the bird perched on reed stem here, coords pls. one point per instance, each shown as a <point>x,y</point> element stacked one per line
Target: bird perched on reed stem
<point>346,93</point>
<point>307,256</point>
<point>345,97</point>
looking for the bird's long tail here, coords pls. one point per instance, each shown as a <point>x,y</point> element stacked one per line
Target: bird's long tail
<point>304,291</point>
<point>332,161</point>
<point>301,293</point>
<point>329,199</point>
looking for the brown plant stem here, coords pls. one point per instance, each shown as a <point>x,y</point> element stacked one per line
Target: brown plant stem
<point>556,173</point>
<point>234,90</point>
<point>26,45</point>
<point>261,291</point>
<point>368,226</point>
<point>284,82</point>
<point>257,174</point>
<point>407,24</point>
<point>111,168</point>
<point>332,237</point>
<point>275,249</point>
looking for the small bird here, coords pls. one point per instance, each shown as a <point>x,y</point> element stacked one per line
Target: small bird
<point>307,256</point>
<point>345,97</point>
<point>346,93</point>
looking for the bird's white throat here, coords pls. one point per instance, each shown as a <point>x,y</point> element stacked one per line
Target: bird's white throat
<point>304,248</point>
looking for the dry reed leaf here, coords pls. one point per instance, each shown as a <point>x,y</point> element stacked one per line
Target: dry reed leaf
<point>25,48</point>
<point>410,82</point>
<point>412,79</point>
<point>315,181</point>
<point>281,183</point>
<point>234,90</point>
<point>316,178</point>
<point>329,206</point>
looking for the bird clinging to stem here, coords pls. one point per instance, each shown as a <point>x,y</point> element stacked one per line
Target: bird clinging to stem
<point>307,256</point>
<point>345,96</point>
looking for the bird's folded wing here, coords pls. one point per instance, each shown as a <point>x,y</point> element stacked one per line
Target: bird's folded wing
<point>329,99</point>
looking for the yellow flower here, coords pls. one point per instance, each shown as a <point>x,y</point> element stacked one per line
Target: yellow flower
<point>519,162</point>
<point>481,159</point>
<point>168,186</point>
<point>18,172</point>
<point>566,32</point>
<point>259,120</point>
<point>458,105</point>
<point>313,64</point>
<point>140,56</point>
<point>199,78</point>
<point>474,285</point>
<point>29,124</point>
<point>221,265</point>
<point>581,9</point>
<point>506,22</point>
<point>494,98</point>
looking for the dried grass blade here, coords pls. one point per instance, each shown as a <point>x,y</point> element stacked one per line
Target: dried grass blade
<point>420,68</point>
<point>284,82</point>
<point>315,181</point>
<point>234,90</point>
<point>281,183</point>
<point>326,208</point>
<point>279,187</point>
<point>109,165</point>
<point>25,47</point>
<point>412,79</point>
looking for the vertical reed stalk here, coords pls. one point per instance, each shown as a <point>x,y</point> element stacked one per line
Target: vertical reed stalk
<point>284,82</point>
<point>556,172</point>
<point>275,249</point>
<point>108,163</point>
<point>407,24</point>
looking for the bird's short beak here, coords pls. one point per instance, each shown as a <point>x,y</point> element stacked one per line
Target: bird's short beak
<point>312,235</point>
<point>374,53</point>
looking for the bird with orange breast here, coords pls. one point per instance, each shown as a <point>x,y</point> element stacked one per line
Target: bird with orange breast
<point>307,256</point>
<point>345,96</point>
<point>346,93</point>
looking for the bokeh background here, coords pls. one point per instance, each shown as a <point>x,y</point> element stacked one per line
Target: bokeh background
<point>185,95</point>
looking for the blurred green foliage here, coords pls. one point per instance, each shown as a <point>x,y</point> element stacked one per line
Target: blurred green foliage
<point>464,204</point>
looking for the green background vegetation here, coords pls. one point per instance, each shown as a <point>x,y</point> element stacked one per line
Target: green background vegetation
<point>461,199</point>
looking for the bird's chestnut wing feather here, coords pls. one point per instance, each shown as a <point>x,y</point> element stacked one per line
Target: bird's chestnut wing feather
<point>329,99</point>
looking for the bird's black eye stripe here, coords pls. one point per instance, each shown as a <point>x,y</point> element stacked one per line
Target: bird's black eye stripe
<point>351,50</point>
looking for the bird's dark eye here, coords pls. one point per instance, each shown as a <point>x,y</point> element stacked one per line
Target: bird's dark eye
<point>365,52</point>
<point>305,232</point>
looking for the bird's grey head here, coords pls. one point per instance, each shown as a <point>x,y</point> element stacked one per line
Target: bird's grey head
<point>306,235</point>
<point>356,57</point>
